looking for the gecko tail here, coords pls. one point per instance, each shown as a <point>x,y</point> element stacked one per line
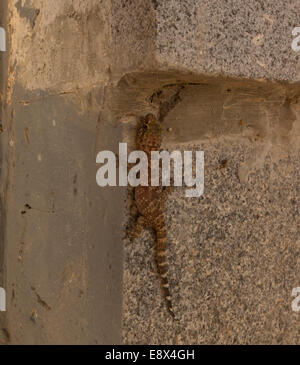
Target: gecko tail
<point>163,269</point>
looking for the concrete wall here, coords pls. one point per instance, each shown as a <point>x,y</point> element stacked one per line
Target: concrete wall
<point>223,78</point>
<point>62,233</point>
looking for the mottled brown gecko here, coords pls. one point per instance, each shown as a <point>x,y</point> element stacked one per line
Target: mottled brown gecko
<point>150,202</point>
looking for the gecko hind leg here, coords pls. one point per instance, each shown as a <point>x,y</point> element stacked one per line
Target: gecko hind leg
<point>140,225</point>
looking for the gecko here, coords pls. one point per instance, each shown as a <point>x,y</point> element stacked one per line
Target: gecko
<point>149,202</point>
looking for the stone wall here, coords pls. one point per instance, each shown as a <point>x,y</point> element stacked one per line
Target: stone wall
<point>77,76</point>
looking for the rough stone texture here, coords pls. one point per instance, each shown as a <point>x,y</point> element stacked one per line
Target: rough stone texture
<point>250,39</point>
<point>234,252</point>
<point>233,258</point>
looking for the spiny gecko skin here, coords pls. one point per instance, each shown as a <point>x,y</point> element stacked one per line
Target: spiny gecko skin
<point>150,202</point>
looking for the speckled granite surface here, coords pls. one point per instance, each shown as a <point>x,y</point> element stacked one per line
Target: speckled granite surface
<point>239,38</point>
<point>233,256</point>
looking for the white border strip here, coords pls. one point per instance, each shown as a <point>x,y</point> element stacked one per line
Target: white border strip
<point>2,300</point>
<point>2,39</point>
